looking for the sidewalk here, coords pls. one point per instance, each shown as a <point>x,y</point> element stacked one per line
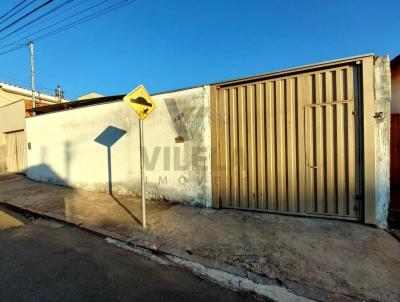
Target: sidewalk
<point>320,259</point>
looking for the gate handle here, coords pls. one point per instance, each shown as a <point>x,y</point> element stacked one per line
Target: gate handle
<point>313,167</point>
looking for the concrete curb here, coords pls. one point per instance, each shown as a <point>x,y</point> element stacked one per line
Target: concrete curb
<point>223,278</point>
<point>228,276</point>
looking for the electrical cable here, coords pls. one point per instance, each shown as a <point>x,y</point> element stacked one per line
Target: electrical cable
<point>16,11</point>
<point>56,23</point>
<point>14,8</point>
<point>37,18</point>
<point>85,19</point>
<point>26,15</point>
<point>11,50</point>
<point>75,23</point>
<point>61,12</point>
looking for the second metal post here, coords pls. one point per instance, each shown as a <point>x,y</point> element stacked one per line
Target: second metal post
<point>142,179</point>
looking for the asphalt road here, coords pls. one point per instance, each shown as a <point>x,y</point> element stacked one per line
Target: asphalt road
<point>43,261</point>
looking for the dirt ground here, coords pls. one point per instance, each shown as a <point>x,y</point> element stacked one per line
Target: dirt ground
<point>321,259</point>
<point>43,261</point>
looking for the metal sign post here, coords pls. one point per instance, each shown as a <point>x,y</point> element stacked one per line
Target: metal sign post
<point>142,179</point>
<point>140,101</point>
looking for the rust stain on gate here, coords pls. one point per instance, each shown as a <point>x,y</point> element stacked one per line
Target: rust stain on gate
<point>287,143</point>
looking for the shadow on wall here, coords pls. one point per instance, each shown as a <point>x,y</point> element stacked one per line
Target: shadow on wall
<point>44,173</point>
<point>66,201</point>
<point>108,138</point>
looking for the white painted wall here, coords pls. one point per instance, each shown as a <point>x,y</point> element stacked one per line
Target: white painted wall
<point>64,150</point>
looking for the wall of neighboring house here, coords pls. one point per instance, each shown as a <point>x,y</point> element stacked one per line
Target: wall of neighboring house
<point>12,118</point>
<point>8,98</point>
<point>395,90</point>
<point>394,210</point>
<point>97,148</point>
<point>13,102</point>
<point>3,154</point>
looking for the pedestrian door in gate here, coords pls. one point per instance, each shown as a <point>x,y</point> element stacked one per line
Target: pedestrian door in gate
<point>331,159</point>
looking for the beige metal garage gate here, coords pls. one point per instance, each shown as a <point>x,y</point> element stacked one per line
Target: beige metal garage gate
<point>16,151</point>
<point>288,143</point>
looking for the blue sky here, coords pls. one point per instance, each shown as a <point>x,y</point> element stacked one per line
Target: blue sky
<point>167,45</point>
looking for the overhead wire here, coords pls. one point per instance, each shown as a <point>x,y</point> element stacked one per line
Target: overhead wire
<point>58,30</point>
<point>26,15</point>
<point>74,23</point>
<point>56,23</point>
<point>86,19</point>
<point>61,12</point>
<point>37,18</point>
<point>24,82</point>
<point>13,8</point>
<point>20,10</point>
<point>11,50</point>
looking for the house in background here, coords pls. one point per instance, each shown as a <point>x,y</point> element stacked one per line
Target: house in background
<point>15,103</point>
<point>89,96</point>
<point>395,71</point>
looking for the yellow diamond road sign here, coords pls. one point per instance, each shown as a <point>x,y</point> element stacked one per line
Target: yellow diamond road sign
<point>140,101</point>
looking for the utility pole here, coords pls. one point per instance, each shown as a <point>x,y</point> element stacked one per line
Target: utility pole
<point>32,75</point>
<point>59,94</point>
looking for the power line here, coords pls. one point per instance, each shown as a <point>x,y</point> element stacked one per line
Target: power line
<point>75,23</point>
<point>23,82</point>
<point>86,19</point>
<point>12,49</point>
<point>16,11</point>
<point>56,23</point>
<point>62,12</point>
<point>26,15</point>
<point>14,8</point>
<point>38,18</point>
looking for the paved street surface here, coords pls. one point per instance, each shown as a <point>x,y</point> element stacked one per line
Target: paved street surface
<point>325,260</point>
<point>45,261</point>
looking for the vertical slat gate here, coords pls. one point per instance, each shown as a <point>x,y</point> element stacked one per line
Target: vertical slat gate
<point>261,146</point>
<point>280,143</point>
<point>243,180</point>
<point>251,146</point>
<point>224,151</point>
<point>288,144</point>
<point>16,152</point>
<point>271,145</point>
<point>291,126</point>
<point>234,162</point>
